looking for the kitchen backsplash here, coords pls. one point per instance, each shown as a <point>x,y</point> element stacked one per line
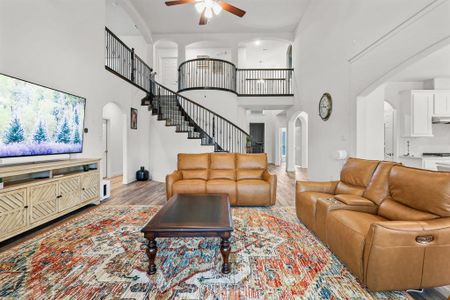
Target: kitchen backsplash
<point>439,143</point>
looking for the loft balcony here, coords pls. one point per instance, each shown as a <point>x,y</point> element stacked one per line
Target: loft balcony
<point>217,74</point>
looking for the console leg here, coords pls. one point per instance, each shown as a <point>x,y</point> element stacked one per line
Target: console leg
<point>151,253</point>
<point>225,249</point>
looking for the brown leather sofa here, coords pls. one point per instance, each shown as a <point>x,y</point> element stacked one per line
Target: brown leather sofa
<point>389,224</point>
<point>244,177</point>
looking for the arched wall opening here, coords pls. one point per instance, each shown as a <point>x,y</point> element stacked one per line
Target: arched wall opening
<point>114,160</point>
<point>300,119</point>
<point>166,58</point>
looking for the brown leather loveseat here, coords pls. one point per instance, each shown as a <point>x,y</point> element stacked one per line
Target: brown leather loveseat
<point>244,177</point>
<point>389,224</point>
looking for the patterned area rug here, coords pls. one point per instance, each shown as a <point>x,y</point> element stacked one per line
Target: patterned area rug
<point>100,255</point>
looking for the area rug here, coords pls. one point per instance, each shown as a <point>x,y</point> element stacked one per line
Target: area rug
<point>101,255</point>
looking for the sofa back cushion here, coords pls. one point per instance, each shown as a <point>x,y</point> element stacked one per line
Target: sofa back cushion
<point>423,190</point>
<point>396,211</point>
<point>251,166</point>
<point>222,166</point>
<point>355,176</point>
<point>378,188</point>
<point>193,166</point>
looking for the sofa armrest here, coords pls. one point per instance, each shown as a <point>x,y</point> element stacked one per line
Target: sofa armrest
<point>328,187</point>
<point>170,180</point>
<point>272,180</point>
<point>407,254</point>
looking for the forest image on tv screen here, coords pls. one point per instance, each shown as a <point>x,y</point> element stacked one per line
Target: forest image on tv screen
<point>36,120</point>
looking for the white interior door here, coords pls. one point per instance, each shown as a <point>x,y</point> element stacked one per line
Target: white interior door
<point>389,137</point>
<point>105,148</point>
<point>169,72</point>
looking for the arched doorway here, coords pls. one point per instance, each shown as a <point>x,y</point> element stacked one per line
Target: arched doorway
<point>114,141</point>
<point>297,154</point>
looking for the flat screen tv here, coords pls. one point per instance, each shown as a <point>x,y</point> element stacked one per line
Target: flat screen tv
<point>36,120</point>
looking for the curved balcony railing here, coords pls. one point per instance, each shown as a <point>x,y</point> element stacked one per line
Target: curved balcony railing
<point>217,74</point>
<point>207,73</point>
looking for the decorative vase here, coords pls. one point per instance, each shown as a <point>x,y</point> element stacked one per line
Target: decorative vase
<point>142,175</point>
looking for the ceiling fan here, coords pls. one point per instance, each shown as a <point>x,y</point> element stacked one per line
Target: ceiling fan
<point>209,8</point>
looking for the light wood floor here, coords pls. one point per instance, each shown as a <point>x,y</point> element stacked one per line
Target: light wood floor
<point>153,193</point>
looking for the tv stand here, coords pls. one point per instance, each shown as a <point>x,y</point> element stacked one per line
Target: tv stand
<point>35,193</point>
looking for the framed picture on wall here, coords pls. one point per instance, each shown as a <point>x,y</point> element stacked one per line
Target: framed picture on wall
<point>134,118</point>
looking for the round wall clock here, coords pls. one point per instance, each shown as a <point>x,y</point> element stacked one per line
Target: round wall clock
<point>325,106</point>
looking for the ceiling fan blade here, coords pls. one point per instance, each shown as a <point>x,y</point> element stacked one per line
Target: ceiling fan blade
<point>177,2</point>
<point>232,9</point>
<point>203,18</point>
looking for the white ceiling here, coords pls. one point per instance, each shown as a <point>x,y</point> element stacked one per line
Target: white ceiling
<point>434,65</point>
<point>118,20</point>
<point>262,15</point>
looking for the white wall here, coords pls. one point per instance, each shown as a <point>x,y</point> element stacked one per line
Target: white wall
<point>60,44</point>
<point>218,53</point>
<point>165,144</point>
<point>116,126</point>
<point>370,125</point>
<point>265,54</point>
<point>341,47</point>
<point>220,102</point>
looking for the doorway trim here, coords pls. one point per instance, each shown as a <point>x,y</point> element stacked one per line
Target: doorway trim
<point>290,155</point>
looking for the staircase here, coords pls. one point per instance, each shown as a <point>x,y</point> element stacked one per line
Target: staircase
<point>175,110</point>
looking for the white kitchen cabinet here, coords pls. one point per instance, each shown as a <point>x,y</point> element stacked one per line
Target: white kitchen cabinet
<point>441,103</point>
<point>432,163</point>
<point>417,113</point>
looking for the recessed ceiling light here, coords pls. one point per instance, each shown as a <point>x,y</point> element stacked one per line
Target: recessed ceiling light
<point>257,42</point>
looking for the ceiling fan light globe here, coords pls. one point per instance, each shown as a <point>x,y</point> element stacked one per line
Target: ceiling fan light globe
<point>200,6</point>
<point>209,3</point>
<point>217,8</point>
<point>209,13</point>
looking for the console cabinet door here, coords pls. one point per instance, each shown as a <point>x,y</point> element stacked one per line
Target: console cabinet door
<point>43,200</point>
<point>69,193</point>
<point>13,211</point>
<point>90,184</point>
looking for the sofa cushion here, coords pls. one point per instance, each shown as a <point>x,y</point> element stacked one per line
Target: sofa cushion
<point>306,207</point>
<point>396,211</point>
<point>223,186</point>
<point>378,188</point>
<point>251,161</point>
<point>253,192</point>
<point>222,166</point>
<point>424,190</point>
<point>189,186</point>
<point>358,172</point>
<point>250,166</point>
<point>344,188</point>
<point>346,234</point>
<point>193,166</point>
<point>195,174</point>
<point>354,200</point>
<point>249,174</point>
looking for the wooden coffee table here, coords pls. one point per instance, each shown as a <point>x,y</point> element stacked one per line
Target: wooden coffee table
<point>191,216</point>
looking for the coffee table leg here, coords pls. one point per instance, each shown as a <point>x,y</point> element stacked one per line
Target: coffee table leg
<point>151,253</point>
<point>225,249</point>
